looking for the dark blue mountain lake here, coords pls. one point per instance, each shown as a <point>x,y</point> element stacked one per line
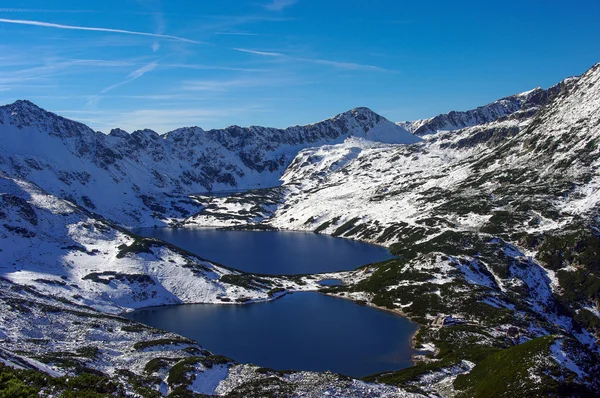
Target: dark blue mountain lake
<point>331,282</point>
<point>301,331</point>
<point>272,252</point>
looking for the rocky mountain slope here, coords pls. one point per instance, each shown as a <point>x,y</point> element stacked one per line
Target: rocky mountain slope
<point>495,227</point>
<point>66,274</point>
<point>144,178</point>
<point>66,265</point>
<point>51,347</point>
<point>60,249</point>
<point>495,224</point>
<point>529,101</point>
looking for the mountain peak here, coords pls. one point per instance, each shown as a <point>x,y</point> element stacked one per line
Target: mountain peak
<point>117,132</point>
<point>360,113</point>
<point>529,101</point>
<point>362,109</point>
<point>24,102</point>
<point>24,106</point>
<point>27,112</point>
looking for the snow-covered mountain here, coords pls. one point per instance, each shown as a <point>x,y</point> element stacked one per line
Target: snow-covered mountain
<point>495,226</point>
<point>527,102</point>
<point>91,262</point>
<point>143,178</point>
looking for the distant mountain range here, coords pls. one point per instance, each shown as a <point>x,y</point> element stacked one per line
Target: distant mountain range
<point>124,176</point>
<point>529,102</point>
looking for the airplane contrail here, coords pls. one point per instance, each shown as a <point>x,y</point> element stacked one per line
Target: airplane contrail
<point>71,27</point>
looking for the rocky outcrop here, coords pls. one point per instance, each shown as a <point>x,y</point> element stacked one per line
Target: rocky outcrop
<point>529,101</point>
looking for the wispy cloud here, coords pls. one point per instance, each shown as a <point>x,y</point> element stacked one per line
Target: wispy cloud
<point>141,71</point>
<point>212,67</point>
<point>51,69</point>
<point>159,19</point>
<point>335,64</point>
<point>237,34</point>
<point>345,65</point>
<point>159,119</point>
<point>278,5</point>
<point>95,29</point>
<point>136,74</point>
<point>54,63</point>
<point>265,53</point>
<point>215,86</point>
<point>96,62</point>
<point>220,85</point>
<point>39,11</point>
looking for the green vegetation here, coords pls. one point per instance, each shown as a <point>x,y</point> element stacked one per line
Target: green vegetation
<point>345,227</point>
<point>139,245</point>
<point>29,383</point>
<point>515,371</point>
<point>580,285</point>
<point>90,352</point>
<point>107,276</point>
<point>136,328</point>
<point>502,222</point>
<point>142,386</point>
<point>156,364</point>
<point>455,343</point>
<point>143,345</point>
<point>273,292</point>
<point>269,387</point>
<point>327,224</point>
<point>212,360</point>
<point>245,280</point>
<point>178,374</point>
<point>577,247</point>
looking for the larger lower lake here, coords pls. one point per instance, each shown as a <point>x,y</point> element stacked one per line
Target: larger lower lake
<point>272,252</point>
<point>302,331</point>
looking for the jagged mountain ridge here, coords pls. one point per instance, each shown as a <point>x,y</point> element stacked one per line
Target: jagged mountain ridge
<point>92,262</point>
<point>496,224</point>
<point>132,176</point>
<point>65,275</point>
<point>477,218</point>
<point>528,102</point>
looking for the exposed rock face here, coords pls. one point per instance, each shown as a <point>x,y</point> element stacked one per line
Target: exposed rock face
<point>121,175</point>
<point>496,224</point>
<point>529,101</point>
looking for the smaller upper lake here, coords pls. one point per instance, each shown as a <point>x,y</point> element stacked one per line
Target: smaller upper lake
<point>272,252</point>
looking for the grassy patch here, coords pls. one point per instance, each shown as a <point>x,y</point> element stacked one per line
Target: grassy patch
<point>178,374</point>
<point>326,225</point>
<point>144,345</point>
<point>30,383</point>
<point>345,227</point>
<point>213,360</point>
<point>245,280</point>
<point>156,364</point>
<point>579,247</point>
<point>520,371</point>
<point>139,245</point>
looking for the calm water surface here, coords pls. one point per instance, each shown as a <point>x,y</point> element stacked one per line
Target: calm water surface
<point>272,252</point>
<point>302,331</point>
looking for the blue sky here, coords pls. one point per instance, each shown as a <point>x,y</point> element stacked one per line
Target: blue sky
<point>165,64</point>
